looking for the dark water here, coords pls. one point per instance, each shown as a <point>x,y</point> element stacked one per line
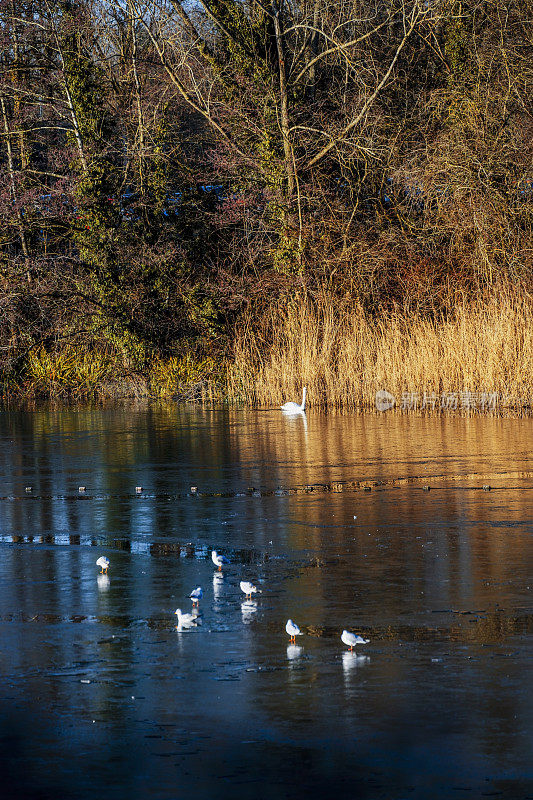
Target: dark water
<point>102,696</point>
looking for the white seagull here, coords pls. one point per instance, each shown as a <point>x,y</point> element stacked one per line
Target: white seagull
<point>293,630</point>
<point>185,620</point>
<point>103,562</point>
<point>248,589</point>
<point>351,639</point>
<point>196,595</point>
<point>218,560</point>
<point>294,408</point>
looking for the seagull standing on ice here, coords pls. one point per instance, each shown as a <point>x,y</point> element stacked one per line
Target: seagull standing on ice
<point>351,639</point>
<point>248,589</point>
<point>218,560</point>
<point>185,620</point>
<point>103,562</point>
<point>196,595</point>
<point>293,630</point>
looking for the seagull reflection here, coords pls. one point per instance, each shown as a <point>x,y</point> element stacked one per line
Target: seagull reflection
<point>350,661</point>
<point>182,630</point>
<point>186,628</point>
<point>248,609</point>
<point>103,582</point>
<point>294,651</point>
<point>179,638</point>
<point>218,582</point>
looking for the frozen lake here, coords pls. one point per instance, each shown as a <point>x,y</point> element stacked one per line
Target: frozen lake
<point>101,695</point>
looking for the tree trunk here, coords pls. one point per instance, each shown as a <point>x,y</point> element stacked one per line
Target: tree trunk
<point>138,100</point>
<point>13,188</point>
<point>285,125</point>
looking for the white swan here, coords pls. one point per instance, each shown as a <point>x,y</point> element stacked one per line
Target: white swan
<point>218,560</point>
<point>294,408</point>
<point>196,595</point>
<point>293,630</point>
<point>248,588</point>
<point>103,562</point>
<point>185,620</point>
<point>351,639</point>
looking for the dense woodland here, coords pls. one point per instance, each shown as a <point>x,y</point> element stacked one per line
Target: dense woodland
<point>172,167</point>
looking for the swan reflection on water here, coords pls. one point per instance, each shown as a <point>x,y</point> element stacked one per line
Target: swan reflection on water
<point>103,582</point>
<point>248,610</point>
<point>300,421</point>
<point>296,421</point>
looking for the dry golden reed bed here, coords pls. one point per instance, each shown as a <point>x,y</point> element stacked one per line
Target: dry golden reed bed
<point>343,357</point>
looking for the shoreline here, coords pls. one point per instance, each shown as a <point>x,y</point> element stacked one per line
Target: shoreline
<point>514,407</point>
<point>478,358</point>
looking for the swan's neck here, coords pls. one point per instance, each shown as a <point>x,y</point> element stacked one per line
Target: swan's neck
<point>303,398</point>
